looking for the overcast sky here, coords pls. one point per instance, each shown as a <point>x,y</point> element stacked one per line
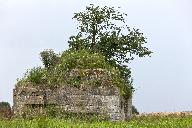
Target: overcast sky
<point>163,82</point>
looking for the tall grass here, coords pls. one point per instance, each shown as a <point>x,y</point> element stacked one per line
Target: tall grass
<point>159,121</point>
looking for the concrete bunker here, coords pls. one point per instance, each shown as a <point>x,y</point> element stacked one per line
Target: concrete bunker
<point>105,99</point>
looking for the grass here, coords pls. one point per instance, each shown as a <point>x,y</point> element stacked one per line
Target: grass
<point>157,121</point>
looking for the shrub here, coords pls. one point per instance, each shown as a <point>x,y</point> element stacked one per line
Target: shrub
<point>81,60</point>
<point>49,58</point>
<point>134,110</point>
<point>5,110</point>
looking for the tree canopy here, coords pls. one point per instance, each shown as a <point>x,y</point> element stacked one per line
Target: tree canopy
<point>49,58</point>
<point>4,104</point>
<point>5,110</point>
<point>104,30</point>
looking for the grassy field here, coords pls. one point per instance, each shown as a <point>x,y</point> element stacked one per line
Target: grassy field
<point>144,121</point>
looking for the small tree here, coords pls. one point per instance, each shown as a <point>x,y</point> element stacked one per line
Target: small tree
<point>5,110</point>
<point>4,105</point>
<point>104,30</point>
<point>49,58</point>
<point>134,110</point>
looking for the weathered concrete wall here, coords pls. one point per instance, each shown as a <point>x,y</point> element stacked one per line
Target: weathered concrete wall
<point>100,100</point>
<point>104,100</point>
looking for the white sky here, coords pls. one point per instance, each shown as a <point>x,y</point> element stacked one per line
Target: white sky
<point>162,82</point>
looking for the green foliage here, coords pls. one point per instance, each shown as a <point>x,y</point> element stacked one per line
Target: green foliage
<point>83,59</point>
<point>5,110</point>
<point>4,105</point>
<point>49,58</point>
<point>104,30</point>
<point>104,41</point>
<point>90,117</point>
<point>134,110</point>
<point>59,74</point>
<point>42,122</point>
<point>36,76</point>
<point>138,122</point>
